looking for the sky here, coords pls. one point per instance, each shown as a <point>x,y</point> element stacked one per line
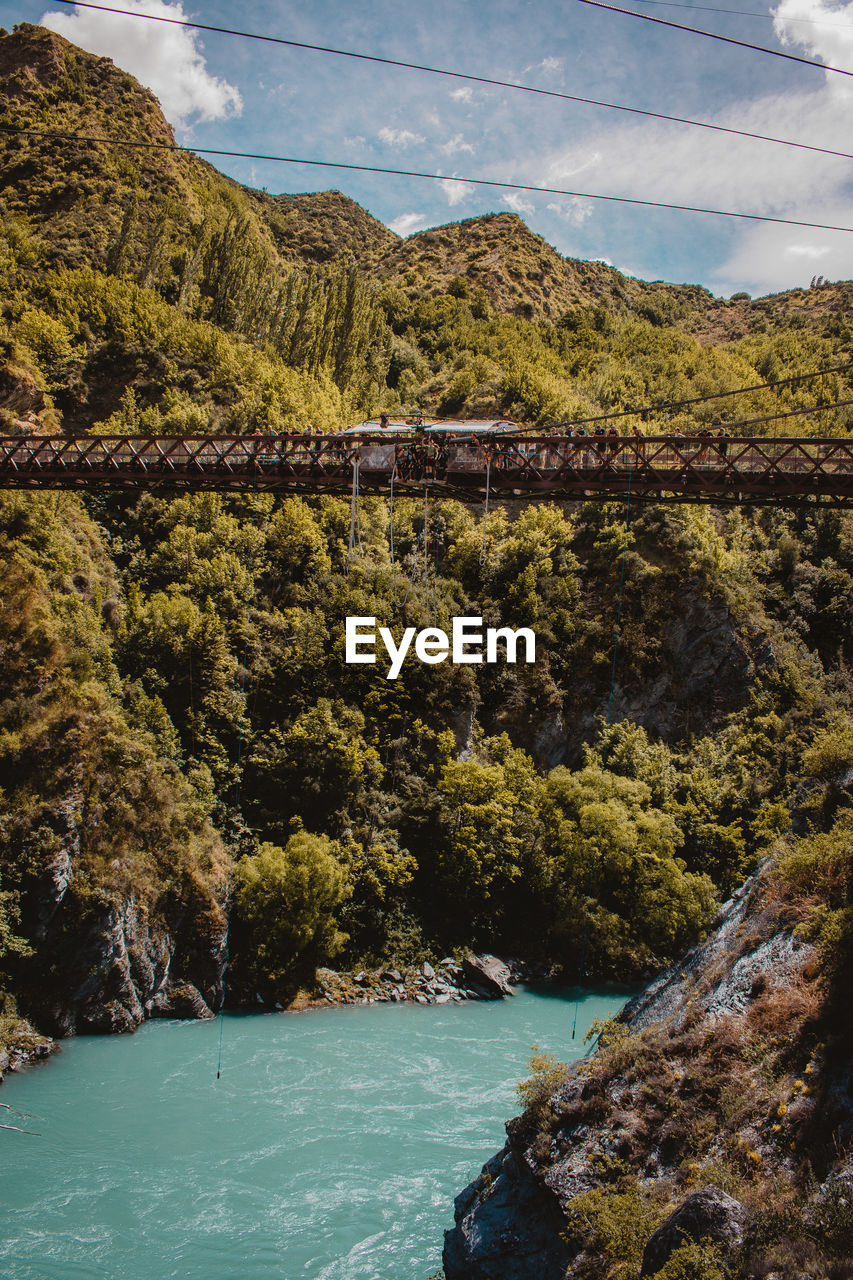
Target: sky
<point>225,92</point>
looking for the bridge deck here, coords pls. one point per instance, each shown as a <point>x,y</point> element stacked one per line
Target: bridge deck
<point>662,468</point>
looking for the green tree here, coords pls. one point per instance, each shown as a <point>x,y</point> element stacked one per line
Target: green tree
<point>286,902</point>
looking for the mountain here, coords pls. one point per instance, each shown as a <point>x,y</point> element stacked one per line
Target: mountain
<point>519,271</point>
<point>322,226</point>
<point>141,212</point>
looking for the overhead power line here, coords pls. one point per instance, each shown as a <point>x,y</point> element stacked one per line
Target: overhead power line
<point>662,407</point>
<point>461,75</point>
<point>789,413</point>
<point>493,183</point>
<point>745,13</point>
<point>713,35</point>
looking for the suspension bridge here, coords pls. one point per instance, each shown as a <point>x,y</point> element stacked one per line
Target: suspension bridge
<point>698,469</point>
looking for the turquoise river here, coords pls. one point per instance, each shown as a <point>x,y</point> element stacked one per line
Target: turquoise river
<point>330,1149</point>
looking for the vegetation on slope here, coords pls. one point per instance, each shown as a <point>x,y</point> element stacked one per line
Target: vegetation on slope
<point>456,805</point>
<point>754,1101</point>
<point>478,317</point>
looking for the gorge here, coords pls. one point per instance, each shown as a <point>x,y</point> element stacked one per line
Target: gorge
<point>201,798</point>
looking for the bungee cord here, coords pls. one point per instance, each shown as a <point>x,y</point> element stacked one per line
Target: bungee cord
<point>391,532</point>
<point>483,550</point>
<point>604,755</point>
<point>238,776</point>
<point>354,545</point>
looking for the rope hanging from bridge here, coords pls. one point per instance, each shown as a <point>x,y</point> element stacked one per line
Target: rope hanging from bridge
<point>237,781</point>
<point>391,534</point>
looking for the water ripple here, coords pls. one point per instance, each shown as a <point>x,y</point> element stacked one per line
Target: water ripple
<point>331,1149</point>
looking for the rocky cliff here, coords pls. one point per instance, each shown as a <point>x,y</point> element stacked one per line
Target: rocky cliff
<point>106,962</point>
<point>710,1133</point>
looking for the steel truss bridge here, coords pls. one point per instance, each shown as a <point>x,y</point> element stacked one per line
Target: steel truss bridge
<point>657,468</point>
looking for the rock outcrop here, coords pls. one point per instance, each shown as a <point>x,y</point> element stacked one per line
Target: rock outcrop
<point>706,1215</point>
<point>105,963</point>
<point>476,978</point>
<point>714,1070</point>
<point>126,968</point>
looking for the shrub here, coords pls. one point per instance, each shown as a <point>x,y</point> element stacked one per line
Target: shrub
<point>285,904</point>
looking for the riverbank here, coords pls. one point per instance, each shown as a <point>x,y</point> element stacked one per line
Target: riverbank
<point>450,980</point>
<point>21,1046</point>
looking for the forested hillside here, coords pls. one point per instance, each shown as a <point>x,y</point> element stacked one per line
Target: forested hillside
<point>176,705</point>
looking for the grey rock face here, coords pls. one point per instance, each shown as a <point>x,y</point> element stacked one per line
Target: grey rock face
<point>549,744</point>
<point>57,875</point>
<point>124,970</point>
<point>708,1214</point>
<point>722,975</point>
<point>19,392</point>
<point>705,668</point>
<point>749,951</point>
<point>505,1230</point>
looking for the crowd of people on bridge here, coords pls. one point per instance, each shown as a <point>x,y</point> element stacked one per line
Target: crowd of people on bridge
<point>425,455</point>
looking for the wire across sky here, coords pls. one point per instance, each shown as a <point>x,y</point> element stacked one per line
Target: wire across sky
<point>714,35</point>
<point>468,77</point>
<point>495,183</point>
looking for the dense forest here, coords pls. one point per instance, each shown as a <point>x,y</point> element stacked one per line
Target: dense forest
<point>201,800</point>
<point>180,735</point>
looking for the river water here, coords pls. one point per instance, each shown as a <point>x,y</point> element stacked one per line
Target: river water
<point>330,1149</point>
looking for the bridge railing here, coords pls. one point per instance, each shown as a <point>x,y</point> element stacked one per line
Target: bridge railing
<point>523,462</point>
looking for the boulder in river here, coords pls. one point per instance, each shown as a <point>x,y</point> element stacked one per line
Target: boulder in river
<point>487,975</point>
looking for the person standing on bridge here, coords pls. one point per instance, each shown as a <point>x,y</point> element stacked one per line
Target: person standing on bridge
<point>723,442</point>
<point>640,447</point>
<point>705,436</point>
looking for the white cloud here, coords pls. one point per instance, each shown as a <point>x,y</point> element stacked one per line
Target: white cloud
<point>167,59</point>
<point>456,190</point>
<point>673,164</point>
<point>770,258</point>
<point>570,166</point>
<point>824,33</point>
<point>400,137</point>
<point>548,66</point>
<point>811,251</point>
<point>407,223</point>
<point>462,95</point>
<point>573,210</point>
<point>357,140</point>
<point>456,143</point>
<point>517,202</point>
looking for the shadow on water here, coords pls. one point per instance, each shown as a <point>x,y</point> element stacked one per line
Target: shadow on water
<point>571,995</point>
